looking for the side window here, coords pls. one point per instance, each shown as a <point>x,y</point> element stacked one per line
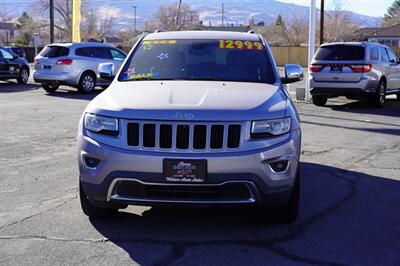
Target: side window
<point>102,52</point>
<point>392,56</point>
<point>384,55</point>
<point>6,55</point>
<point>374,53</point>
<point>117,55</point>
<point>84,51</point>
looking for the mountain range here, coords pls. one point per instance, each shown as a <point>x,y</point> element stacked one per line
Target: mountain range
<point>235,11</point>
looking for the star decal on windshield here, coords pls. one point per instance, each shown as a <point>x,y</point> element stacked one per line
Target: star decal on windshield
<point>163,56</point>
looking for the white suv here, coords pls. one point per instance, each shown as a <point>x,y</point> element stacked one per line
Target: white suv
<point>192,118</point>
<point>75,65</point>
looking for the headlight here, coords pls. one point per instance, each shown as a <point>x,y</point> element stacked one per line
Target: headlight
<point>101,124</point>
<point>265,128</point>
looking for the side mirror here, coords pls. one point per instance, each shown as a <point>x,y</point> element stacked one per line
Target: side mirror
<point>293,73</point>
<point>107,71</point>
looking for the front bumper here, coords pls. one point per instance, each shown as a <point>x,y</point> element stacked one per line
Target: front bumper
<point>49,77</point>
<point>251,169</point>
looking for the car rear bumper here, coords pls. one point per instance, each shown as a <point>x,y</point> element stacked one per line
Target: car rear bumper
<point>61,77</point>
<point>242,178</point>
<point>365,87</point>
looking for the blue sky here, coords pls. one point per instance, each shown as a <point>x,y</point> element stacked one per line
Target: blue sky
<point>365,7</point>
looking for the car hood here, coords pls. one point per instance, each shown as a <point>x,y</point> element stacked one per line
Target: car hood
<point>190,100</point>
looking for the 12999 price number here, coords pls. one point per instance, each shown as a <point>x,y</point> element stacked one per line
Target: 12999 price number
<point>243,45</point>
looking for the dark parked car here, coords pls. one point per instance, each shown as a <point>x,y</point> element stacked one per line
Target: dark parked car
<point>17,50</point>
<point>13,67</point>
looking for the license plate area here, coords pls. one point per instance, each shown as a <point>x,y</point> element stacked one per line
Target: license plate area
<point>336,68</point>
<point>185,171</point>
<point>47,67</point>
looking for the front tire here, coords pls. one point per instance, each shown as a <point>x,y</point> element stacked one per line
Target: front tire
<point>23,76</point>
<point>378,99</point>
<point>87,83</point>
<point>319,100</point>
<point>91,210</point>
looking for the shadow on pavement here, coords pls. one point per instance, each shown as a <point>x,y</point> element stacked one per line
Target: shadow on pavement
<point>391,108</point>
<point>73,94</point>
<point>346,217</point>
<point>9,87</point>
<point>388,131</point>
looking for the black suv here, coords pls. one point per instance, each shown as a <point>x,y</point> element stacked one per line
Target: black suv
<point>13,67</point>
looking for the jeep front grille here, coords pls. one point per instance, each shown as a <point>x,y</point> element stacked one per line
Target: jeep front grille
<point>184,136</point>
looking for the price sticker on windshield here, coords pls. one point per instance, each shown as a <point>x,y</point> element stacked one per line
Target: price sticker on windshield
<point>241,45</point>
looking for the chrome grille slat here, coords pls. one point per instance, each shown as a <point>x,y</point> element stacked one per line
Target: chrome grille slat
<point>221,138</point>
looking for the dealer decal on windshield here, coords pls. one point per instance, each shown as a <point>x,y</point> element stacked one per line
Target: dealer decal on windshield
<point>241,45</point>
<point>159,42</point>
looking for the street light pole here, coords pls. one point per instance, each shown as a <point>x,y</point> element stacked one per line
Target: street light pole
<point>311,44</point>
<point>51,6</point>
<point>134,25</point>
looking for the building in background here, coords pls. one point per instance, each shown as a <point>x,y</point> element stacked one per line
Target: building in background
<point>8,33</point>
<point>389,36</point>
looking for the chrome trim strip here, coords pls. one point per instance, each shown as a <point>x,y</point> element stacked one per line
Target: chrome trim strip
<point>117,197</point>
<point>251,187</point>
<point>288,158</point>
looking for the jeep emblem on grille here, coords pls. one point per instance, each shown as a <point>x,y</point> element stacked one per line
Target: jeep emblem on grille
<point>186,116</point>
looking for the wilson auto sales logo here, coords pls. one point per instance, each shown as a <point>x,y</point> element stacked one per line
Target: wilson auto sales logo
<point>184,169</point>
<point>183,116</point>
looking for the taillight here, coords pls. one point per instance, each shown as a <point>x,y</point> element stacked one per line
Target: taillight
<point>36,61</point>
<point>64,62</point>
<point>316,68</point>
<point>361,68</point>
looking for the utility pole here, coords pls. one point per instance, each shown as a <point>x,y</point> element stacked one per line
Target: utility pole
<point>134,24</point>
<point>178,12</point>
<point>51,21</point>
<point>222,13</point>
<point>311,44</point>
<point>322,23</point>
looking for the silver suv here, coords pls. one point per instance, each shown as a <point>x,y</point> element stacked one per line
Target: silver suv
<point>75,65</point>
<point>355,70</point>
<point>192,118</point>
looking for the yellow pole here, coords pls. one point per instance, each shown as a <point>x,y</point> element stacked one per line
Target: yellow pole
<point>76,20</point>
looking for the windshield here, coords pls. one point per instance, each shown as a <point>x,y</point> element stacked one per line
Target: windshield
<point>219,60</point>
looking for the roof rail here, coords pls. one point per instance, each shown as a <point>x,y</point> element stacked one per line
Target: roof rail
<point>159,30</point>
<point>251,31</point>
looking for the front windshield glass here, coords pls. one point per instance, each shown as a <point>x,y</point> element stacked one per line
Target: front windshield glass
<point>217,60</point>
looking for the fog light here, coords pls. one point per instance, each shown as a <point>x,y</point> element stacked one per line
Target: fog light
<point>279,166</point>
<point>90,161</point>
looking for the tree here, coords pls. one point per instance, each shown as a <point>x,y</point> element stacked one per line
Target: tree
<point>62,17</point>
<point>339,24</point>
<point>25,25</point>
<point>392,16</point>
<point>95,26</point>
<point>279,22</point>
<point>290,30</point>
<point>167,18</point>
<point>8,28</point>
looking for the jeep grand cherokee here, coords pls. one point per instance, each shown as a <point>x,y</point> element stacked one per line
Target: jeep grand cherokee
<point>192,118</point>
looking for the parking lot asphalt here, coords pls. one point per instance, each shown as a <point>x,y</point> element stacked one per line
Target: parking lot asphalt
<point>350,196</point>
